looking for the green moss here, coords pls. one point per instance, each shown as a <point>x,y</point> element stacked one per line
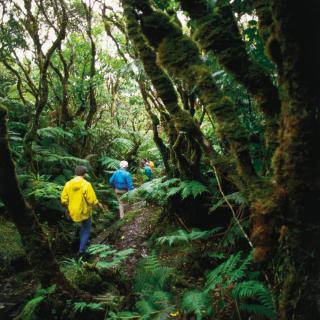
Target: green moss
<point>11,248</point>
<point>81,277</point>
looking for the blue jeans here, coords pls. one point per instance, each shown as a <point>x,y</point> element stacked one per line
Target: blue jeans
<point>84,234</point>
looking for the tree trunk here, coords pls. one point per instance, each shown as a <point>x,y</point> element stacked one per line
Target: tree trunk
<point>297,165</point>
<point>35,242</point>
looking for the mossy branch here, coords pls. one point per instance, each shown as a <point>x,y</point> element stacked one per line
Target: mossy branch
<point>217,31</point>
<point>181,57</point>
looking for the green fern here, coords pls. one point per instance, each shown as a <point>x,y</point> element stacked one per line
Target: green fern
<point>29,310</point>
<point>184,236</point>
<point>109,163</point>
<point>73,265</point>
<point>235,197</point>
<point>234,233</point>
<point>254,289</point>
<point>224,272</point>
<point>159,190</point>
<point>114,257</point>
<point>151,275</point>
<point>54,133</point>
<point>150,285</point>
<point>229,279</point>
<point>197,303</point>
<point>188,188</point>
<point>80,306</point>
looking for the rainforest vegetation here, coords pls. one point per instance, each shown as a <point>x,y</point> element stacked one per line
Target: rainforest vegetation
<point>223,97</point>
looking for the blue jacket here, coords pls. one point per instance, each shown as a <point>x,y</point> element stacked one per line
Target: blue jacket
<point>148,171</point>
<point>121,180</point>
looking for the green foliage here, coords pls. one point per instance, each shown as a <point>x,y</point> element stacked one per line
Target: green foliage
<point>29,310</point>
<point>80,306</point>
<point>184,236</point>
<point>40,190</point>
<point>151,275</point>
<point>188,188</point>
<point>236,198</point>
<point>197,303</point>
<point>109,163</point>
<point>82,277</point>
<point>54,133</point>
<point>159,190</point>
<point>11,248</point>
<point>150,285</point>
<point>227,283</point>
<point>109,257</point>
<point>233,234</point>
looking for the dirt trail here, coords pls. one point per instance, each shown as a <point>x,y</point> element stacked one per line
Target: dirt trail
<point>139,223</point>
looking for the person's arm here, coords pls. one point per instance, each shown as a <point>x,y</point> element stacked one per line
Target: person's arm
<point>129,182</point>
<point>111,180</point>
<point>65,195</point>
<point>91,196</point>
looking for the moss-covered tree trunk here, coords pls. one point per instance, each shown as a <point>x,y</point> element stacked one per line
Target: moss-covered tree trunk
<point>35,242</point>
<point>183,122</point>
<point>297,165</point>
<point>217,31</point>
<point>186,140</point>
<point>163,149</point>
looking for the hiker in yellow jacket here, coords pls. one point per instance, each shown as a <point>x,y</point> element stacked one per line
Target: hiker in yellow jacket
<point>79,198</point>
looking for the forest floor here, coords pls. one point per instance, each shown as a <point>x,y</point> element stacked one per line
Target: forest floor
<point>133,231</point>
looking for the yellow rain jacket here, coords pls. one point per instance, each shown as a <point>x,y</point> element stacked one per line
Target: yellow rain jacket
<point>79,196</point>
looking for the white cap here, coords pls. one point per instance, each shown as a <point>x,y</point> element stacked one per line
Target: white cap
<point>124,164</point>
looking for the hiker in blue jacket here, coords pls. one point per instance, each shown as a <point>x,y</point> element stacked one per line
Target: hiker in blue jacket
<point>148,171</point>
<point>121,182</point>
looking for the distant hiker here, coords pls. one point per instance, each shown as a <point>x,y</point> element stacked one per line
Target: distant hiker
<point>121,182</point>
<point>143,163</point>
<point>79,198</point>
<point>148,171</point>
<point>151,165</point>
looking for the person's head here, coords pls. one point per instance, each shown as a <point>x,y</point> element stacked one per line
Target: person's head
<point>124,164</point>
<point>80,171</point>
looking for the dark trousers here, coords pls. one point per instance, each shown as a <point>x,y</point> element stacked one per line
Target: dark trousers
<point>84,234</point>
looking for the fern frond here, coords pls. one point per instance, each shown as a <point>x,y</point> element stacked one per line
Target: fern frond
<point>54,133</point>
<point>241,271</point>
<point>254,289</point>
<point>197,302</point>
<point>80,306</point>
<point>115,257</point>
<point>223,271</point>
<point>109,163</point>
<point>235,197</point>
<point>182,235</point>
<point>192,188</point>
